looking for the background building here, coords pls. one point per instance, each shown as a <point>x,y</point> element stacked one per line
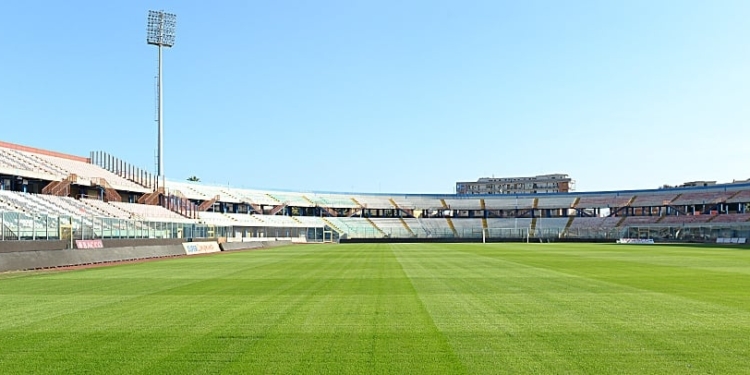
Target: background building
<point>548,183</point>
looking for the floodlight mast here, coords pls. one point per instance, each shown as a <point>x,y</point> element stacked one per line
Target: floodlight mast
<point>160,32</point>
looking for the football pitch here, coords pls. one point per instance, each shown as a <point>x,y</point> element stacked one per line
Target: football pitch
<point>389,309</point>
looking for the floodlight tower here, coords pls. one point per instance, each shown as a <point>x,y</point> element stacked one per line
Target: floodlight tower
<point>160,32</point>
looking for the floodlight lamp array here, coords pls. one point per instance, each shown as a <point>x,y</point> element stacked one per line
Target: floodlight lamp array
<point>161,28</point>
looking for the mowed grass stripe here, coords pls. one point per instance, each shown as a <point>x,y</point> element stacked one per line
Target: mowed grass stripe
<point>534,318</point>
<point>694,273</point>
<point>113,315</point>
<point>305,310</point>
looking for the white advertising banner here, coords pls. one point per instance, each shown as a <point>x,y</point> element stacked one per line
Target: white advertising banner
<point>192,248</point>
<point>637,241</point>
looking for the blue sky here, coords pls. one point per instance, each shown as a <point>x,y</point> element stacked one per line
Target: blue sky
<point>389,96</point>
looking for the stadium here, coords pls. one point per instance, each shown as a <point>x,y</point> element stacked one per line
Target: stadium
<point>107,267</point>
<point>103,197</point>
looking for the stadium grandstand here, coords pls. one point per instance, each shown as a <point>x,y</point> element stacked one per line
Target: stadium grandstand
<point>51,195</point>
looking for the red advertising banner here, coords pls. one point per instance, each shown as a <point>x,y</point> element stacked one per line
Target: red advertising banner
<point>89,244</point>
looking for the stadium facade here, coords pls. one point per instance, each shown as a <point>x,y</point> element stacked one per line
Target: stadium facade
<point>50,195</point>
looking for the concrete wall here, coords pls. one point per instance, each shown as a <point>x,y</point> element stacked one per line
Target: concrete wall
<point>27,260</point>
<point>13,246</point>
<point>28,255</point>
<point>231,246</point>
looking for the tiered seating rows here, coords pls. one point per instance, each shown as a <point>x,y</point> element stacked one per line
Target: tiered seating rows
<point>508,203</point>
<point>652,199</point>
<point>555,202</point>
<point>591,201</point>
<point>464,204</point>
<point>701,197</point>
<point>741,197</point>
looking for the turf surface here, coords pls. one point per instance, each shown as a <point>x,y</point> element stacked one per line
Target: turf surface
<point>389,308</point>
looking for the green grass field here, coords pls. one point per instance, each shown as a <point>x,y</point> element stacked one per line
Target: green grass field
<point>389,309</point>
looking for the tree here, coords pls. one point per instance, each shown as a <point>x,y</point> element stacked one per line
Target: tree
<point>194,179</point>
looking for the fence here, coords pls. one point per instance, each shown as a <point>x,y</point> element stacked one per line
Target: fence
<point>20,226</point>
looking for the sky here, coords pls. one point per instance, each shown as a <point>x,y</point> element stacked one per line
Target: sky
<point>389,96</point>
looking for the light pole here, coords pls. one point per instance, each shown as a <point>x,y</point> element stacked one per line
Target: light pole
<point>160,32</point>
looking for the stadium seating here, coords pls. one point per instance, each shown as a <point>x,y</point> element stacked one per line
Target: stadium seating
<point>254,197</point>
<point>418,202</point>
<point>332,200</point>
<point>291,199</point>
<point>355,227</point>
<point>701,197</point>
<point>602,201</point>
<point>392,227</point>
<point>640,220</point>
<point>654,199</point>
<point>377,202</point>
<point>108,209</point>
<point>552,223</point>
<point>217,219</point>
<point>91,172</point>
<point>684,219</point>
<point>310,221</point>
<point>40,205</point>
<point>18,160</point>
<point>509,223</point>
<point>730,219</point>
<point>595,222</point>
<point>741,197</point>
<point>275,220</point>
<point>555,201</point>
<point>468,228</point>
<point>432,228</point>
<point>150,213</point>
<point>464,203</point>
<point>508,203</point>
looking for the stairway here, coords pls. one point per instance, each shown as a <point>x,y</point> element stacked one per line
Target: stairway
<point>208,204</point>
<point>330,224</point>
<point>330,211</point>
<point>453,227</point>
<point>733,195</point>
<point>278,208</point>
<point>152,198</point>
<point>375,226</point>
<point>485,226</point>
<point>532,229</point>
<point>60,188</point>
<point>393,203</point>
<point>568,224</point>
<point>535,204</point>
<point>357,202</point>
<point>482,205</point>
<point>256,207</point>
<point>445,205</point>
<point>632,199</point>
<point>110,194</point>
<point>673,199</point>
<point>403,222</point>
<point>619,223</point>
<point>357,210</point>
<point>575,202</point>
